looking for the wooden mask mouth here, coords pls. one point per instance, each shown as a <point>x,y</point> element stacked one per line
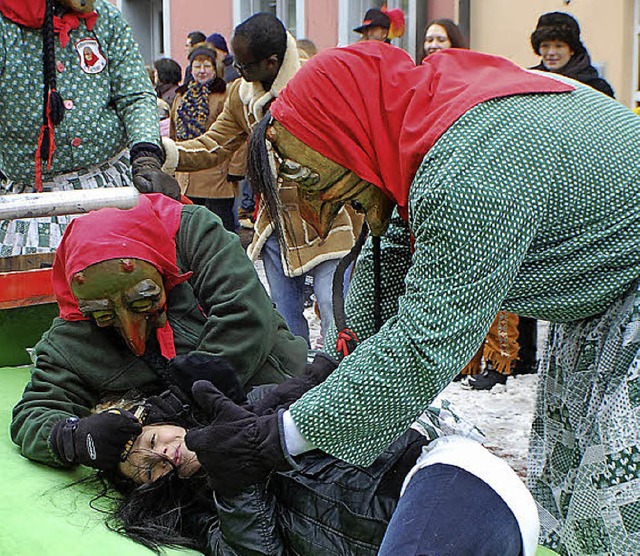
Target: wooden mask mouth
<point>126,294</point>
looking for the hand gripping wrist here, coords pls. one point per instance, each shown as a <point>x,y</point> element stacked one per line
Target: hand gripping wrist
<point>238,447</point>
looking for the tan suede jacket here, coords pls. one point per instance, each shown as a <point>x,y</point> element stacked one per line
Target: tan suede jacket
<point>246,104</point>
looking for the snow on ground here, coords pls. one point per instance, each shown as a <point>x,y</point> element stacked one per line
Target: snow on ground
<point>503,414</point>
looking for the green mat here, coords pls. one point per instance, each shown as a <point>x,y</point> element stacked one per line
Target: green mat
<point>37,515</point>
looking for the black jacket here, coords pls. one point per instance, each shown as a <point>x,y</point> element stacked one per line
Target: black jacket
<point>326,507</point>
<point>579,68</point>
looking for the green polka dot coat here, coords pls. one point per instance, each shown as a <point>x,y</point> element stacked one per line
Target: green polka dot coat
<point>101,77</point>
<point>528,203</point>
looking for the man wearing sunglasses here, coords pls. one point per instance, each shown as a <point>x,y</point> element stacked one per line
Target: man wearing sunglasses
<point>266,57</point>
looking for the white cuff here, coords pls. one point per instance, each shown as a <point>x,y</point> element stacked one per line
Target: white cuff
<point>172,156</point>
<point>295,442</point>
<point>471,456</point>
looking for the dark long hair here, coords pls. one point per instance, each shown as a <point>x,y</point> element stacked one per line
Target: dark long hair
<point>171,512</point>
<point>262,180</point>
<point>458,40</point>
<point>53,106</point>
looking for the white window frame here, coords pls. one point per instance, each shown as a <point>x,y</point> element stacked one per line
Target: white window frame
<point>281,13</point>
<point>166,28</point>
<point>345,26</point>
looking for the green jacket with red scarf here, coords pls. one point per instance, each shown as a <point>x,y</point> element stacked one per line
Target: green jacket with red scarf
<point>223,309</point>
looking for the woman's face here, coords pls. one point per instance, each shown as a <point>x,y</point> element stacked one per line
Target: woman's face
<point>435,39</point>
<point>202,69</point>
<point>157,451</point>
<point>555,54</point>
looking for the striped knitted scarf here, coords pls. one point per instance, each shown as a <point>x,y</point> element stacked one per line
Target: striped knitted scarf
<point>193,112</point>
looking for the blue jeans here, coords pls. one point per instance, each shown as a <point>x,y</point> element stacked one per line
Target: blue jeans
<point>288,293</point>
<point>447,511</point>
<point>244,201</point>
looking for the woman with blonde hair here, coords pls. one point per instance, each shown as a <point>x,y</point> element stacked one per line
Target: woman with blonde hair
<point>196,106</point>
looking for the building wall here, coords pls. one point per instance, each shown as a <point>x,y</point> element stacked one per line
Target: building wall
<point>439,9</point>
<point>500,27</point>
<point>208,16</point>
<point>321,22</point>
<point>504,27</point>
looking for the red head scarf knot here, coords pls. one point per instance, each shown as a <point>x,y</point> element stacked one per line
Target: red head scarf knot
<point>370,109</point>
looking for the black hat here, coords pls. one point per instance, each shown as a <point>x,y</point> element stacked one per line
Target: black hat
<point>217,40</point>
<point>557,26</point>
<point>202,49</point>
<point>374,18</point>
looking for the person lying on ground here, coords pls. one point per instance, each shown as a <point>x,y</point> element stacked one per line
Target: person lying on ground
<point>323,506</point>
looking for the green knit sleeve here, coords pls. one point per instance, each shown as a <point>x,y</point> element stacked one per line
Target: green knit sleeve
<point>459,275</point>
<point>242,326</point>
<point>131,89</point>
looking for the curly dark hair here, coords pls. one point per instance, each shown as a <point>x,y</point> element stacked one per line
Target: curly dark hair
<point>196,36</point>
<point>169,71</point>
<point>265,35</point>
<point>557,26</point>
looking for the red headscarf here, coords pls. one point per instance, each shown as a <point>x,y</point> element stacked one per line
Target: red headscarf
<point>145,232</point>
<point>370,109</point>
<point>30,13</point>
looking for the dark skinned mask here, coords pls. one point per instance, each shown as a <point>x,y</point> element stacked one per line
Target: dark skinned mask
<point>326,186</point>
<point>126,294</point>
<point>83,6</point>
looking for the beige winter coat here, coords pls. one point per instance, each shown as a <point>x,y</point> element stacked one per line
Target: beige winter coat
<point>246,104</point>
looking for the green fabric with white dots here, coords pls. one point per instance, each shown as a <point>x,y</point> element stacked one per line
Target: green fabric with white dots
<point>528,203</point>
<point>584,458</point>
<point>109,110</point>
<point>42,235</point>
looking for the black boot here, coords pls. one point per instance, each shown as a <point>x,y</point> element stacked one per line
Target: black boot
<point>486,380</point>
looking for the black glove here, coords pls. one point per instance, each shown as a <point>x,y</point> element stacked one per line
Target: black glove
<point>171,406</point>
<point>238,448</point>
<point>284,394</point>
<point>97,441</point>
<point>146,170</point>
<point>191,367</point>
